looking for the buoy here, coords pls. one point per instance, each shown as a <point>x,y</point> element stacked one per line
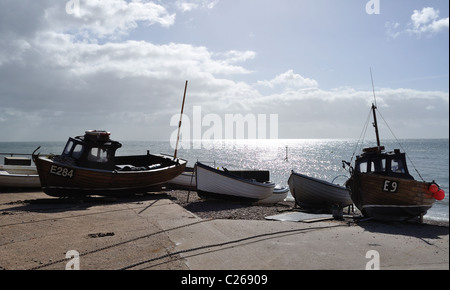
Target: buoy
<point>433,188</point>
<point>439,195</point>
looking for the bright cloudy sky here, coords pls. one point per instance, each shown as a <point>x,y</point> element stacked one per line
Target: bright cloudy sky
<point>69,66</point>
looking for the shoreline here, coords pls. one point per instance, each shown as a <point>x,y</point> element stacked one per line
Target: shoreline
<point>225,209</point>
<point>235,210</point>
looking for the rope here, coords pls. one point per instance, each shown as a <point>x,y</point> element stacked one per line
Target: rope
<point>223,244</point>
<point>118,244</point>
<point>401,146</point>
<point>362,135</point>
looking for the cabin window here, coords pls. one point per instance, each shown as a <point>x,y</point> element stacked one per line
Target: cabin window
<point>98,155</point>
<point>397,166</point>
<point>373,166</point>
<point>77,150</point>
<point>379,165</point>
<point>68,148</point>
<point>363,167</point>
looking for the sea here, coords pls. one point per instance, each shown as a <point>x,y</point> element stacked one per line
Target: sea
<point>428,159</point>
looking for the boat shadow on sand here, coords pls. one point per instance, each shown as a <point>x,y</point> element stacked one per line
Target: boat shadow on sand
<point>429,230</point>
<point>55,205</point>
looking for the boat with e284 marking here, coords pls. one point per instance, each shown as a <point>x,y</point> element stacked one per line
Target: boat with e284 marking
<point>88,165</point>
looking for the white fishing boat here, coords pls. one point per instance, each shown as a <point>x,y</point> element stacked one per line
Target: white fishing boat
<point>279,194</point>
<point>310,192</point>
<point>185,180</point>
<point>19,176</point>
<point>225,185</point>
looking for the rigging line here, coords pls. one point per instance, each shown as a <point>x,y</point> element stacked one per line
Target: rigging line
<point>224,244</point>
<point>366,126</point>
<point>362,135</point>
<point>400,144</point>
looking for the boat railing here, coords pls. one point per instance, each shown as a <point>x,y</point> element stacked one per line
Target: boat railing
<point>21,154</point>
<point>339,177</point>
<point>15,154</point>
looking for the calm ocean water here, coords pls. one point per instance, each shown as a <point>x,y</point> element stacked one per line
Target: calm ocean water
<point>321,158</point>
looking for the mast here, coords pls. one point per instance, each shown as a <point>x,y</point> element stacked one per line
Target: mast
<point>375,124</point>
<point>179,124</point>
<point>374,106</point>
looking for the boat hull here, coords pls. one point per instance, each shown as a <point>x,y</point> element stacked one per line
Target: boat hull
<point>389,198</point>
<point>185,180</point>
<point>278,195</point>
<point>214,183</point>
<point>314,193</point>
<point>14,176</point>
<point>66,180</point>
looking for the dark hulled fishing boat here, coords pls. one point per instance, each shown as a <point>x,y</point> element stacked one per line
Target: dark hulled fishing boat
<point>314,193</point>
<point>381,186</point>
<point>88,165</point>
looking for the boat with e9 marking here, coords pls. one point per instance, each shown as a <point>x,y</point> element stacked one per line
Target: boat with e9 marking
<point>382,188</point>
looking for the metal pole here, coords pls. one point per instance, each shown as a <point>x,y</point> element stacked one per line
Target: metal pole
<point>179,124</point>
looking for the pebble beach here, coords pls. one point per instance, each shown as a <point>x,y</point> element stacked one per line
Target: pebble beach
<point>218,209</point>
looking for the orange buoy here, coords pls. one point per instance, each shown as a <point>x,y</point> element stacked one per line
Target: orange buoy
<point>439,195</point>
<point>433,188</point>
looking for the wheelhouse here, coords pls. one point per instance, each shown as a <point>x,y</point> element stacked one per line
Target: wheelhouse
<point>93,150</point>
<point>388,164</point>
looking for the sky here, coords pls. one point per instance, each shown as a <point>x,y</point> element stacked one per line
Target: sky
<point>121,66</point>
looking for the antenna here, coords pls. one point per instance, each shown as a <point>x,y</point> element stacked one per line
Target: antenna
<point>373,88</point>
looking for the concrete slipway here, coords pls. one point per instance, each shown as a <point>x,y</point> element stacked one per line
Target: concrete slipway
<point>152,232</point>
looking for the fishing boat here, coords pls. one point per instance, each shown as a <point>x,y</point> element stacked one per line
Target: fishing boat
<point>314,193</point>
<point>19,175</point>
<point>88,165</point>
<point>186,180</point>
<point>382,188</point>
<point>279,194</point>
<point>222,184</point>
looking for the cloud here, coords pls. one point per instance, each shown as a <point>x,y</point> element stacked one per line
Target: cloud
<point>425,22</point>
<point>106,18</point>
<point>289,79</point>
<point>341,112</point>
<point>391,29</point>
<point>65,74</point>
<point>234,56</point>
<point>189,5</point>
<point>61,74</point>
